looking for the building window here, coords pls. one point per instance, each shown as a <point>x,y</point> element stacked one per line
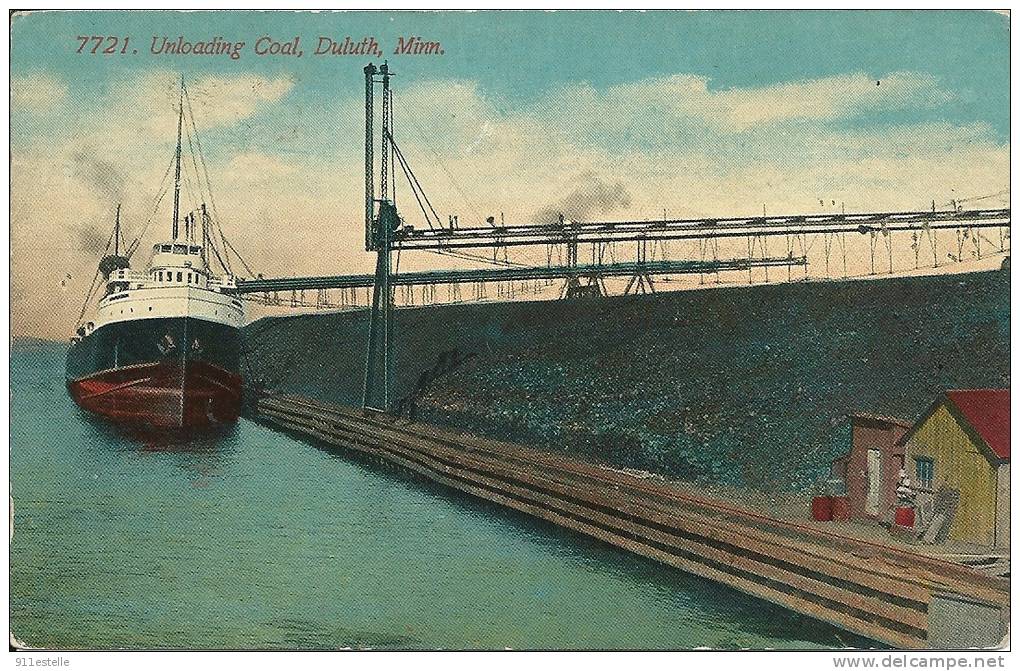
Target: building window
<point>924,467</point>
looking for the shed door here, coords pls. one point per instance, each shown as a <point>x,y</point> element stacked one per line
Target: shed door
<point>874,501</point>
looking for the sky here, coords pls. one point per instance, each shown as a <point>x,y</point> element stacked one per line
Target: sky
<point>529,114</point>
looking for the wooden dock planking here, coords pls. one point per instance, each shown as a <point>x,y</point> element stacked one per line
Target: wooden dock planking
<point>872,606</point>
<point>873,590</point>
<point>925,572</point>
<point>697,567</point>
<point>722,531</point>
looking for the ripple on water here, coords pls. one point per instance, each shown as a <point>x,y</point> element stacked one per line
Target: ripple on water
<point>250,539</point>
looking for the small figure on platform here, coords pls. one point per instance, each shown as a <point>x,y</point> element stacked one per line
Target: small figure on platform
<point>905,493</point>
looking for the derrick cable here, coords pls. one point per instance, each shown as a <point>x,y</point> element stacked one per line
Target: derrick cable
<point>208,235</point>
<point>407,173</point>
<point>240,258</point>
<point>159,199</point>
<point>189,191</point>
<point>467,201</point>
<point>472,257</point>
<point>88,296</point>
<point>1003,192</point>
<point>211,241</point>
<point>414,180</point>
<point>225,259</point>
<point>226,242</point>
<point>198,175</point>
<point>416,189</point>
<point>978,234</point>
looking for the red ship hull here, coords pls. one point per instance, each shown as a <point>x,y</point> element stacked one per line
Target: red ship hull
<point>166,394</point>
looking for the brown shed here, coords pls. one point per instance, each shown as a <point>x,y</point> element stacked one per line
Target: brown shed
<point>871,468</point>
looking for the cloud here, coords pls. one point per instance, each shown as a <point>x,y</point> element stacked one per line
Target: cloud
<point>68,176</point>
<point>687,97</point>
<point>676,143</point>
<point>679,114</point>
<point>148,105</point>
<point>37,93</point>
<point>220,101</point>
<point>629,151</point>
<point>91,239</point>
<point>255,165</point>
<point>685,111</point>
<point>830,98</point>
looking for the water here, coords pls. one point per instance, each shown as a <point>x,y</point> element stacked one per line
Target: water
<point>253,540</point>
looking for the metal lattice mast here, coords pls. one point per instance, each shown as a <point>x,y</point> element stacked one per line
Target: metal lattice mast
<point>379,362</point>
<point>369,159</point>
<point>384,154</point>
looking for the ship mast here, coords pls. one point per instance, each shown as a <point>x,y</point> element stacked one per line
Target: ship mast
<point>116,233</point>
<point>177,172</point>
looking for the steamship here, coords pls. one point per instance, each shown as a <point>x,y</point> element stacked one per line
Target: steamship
<point>162,348</point>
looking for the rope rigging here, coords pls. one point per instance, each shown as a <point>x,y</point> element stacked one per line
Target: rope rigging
<point>198,190</point>
<point>95,285</point>
<point>164,188</point>
<point>227,246</point>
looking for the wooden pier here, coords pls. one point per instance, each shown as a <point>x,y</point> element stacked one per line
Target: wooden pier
<point>878,591</point>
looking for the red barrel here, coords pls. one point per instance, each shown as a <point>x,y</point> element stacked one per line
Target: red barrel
<point>841,508</point>
<point>904,516</point>
<point>821,508</point>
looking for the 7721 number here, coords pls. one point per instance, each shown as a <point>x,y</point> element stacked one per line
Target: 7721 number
<point>111,42</point>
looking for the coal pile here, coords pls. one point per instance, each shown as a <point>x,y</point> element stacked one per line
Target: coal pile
<point>743,386</point>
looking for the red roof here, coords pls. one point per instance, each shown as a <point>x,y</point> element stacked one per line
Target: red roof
<point>987,412</point>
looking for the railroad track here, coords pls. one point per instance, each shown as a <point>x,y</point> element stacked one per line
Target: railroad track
<point>873,590</point>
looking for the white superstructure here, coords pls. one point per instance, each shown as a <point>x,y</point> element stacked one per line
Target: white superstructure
<point>177,283</point>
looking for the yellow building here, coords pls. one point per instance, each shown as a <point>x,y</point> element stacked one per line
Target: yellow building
<point>962,443</point>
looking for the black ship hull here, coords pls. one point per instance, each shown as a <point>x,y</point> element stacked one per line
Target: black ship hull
<point>172,372</point>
